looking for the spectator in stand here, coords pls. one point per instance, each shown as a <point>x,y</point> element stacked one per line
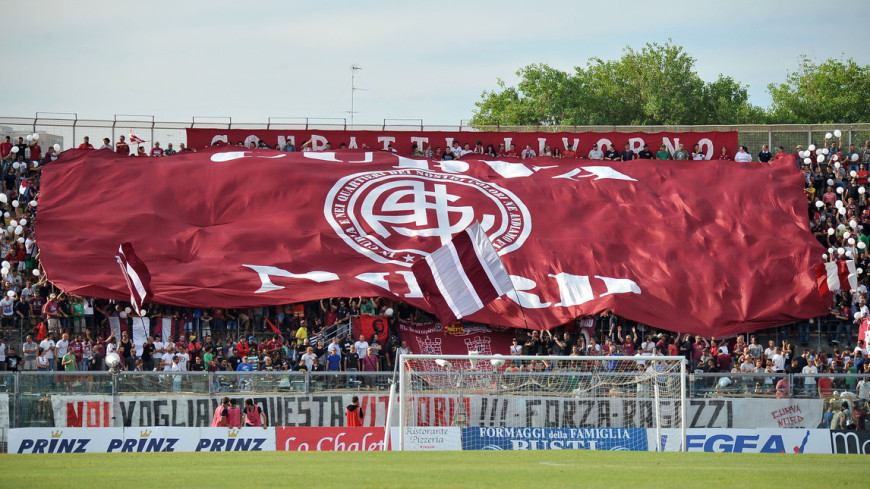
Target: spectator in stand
<point>528,152</point>
<point>743,156</point>
<point>121,147</point>
<point>107,144</point>
<point>86,143</point>
<point>610,154</point>
<point>512,153</point>
<point>370,364</point>
<point>645,153</point>
<point>6,149</point>
<point>156,151</point>
<point>169,150</point>
<point>569,151</point>
<point>663,153</point>
<point>764,155</point>
<point>681,154</point>
<point>627,154</point>
<point>595,153</point>
<point>780,153</point>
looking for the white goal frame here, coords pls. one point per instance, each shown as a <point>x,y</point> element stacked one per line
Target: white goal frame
<point>404,379</point>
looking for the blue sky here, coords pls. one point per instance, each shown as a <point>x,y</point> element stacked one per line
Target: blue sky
<point>420,60</point>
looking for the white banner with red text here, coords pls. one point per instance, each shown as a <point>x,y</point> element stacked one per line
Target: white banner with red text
<point>328,410</point>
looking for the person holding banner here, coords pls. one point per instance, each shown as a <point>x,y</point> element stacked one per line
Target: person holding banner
<point>254,415</point>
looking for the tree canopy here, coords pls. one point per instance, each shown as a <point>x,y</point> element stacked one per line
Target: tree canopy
<point>658,85</point>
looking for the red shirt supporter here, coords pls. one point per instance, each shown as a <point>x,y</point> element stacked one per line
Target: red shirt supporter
<point>5,148</point>
<point>35,152</point>
<point>86,144</point>
<point>723,361</point>
<point>354,413</point>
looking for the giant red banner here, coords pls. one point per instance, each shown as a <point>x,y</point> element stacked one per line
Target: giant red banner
<point>713,248</point>
<point>710,143</point>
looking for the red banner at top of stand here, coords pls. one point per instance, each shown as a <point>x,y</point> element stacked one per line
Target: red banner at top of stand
<point>708,247</point>
<point>709,142</point>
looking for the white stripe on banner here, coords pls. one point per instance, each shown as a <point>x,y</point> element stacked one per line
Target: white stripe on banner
<point>489,259</point>
<point>140,333</point>
<point>166,329</point>
<point>471,301</point>
<point>137,284</point>
<point>833,276</point>
<point>436,275</point>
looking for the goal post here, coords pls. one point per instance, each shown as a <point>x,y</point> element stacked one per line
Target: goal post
<point>515,402</point>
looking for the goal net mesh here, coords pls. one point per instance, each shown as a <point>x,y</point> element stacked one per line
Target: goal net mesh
<point>476,402</point>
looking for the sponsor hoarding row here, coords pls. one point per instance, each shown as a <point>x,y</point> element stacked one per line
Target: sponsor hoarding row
<point>165,439</point>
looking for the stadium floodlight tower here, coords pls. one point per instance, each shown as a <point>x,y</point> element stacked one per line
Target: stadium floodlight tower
<point>639,399</point>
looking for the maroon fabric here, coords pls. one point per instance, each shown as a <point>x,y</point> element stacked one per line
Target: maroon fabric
<point>713,247</point>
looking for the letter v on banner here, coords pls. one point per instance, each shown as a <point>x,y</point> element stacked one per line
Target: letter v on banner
<point>136,275</point>
<point>463,276</point>
<point>836,275</point>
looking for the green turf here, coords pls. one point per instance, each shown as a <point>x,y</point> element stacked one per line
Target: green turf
<point>435,470</point>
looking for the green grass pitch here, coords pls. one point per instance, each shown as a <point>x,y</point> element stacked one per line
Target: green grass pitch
<point>435,470</point>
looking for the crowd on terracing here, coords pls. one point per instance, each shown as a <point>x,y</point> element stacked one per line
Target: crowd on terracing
<point>44,328</point>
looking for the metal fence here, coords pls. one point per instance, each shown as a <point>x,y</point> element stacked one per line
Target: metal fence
<point>68,130</point>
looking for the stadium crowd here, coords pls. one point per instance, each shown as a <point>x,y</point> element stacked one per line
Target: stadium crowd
<point>43,328</point>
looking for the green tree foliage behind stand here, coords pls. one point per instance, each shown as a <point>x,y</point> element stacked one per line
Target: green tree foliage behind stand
<point>658,85</point>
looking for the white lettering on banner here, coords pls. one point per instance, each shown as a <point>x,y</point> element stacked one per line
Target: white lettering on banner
<point>376,279</point>
<point>509,170</point>
<point>448,142</point>
<point>453,166</point>
<point>251,139</point>
<point>228,156</point>
<point>411,282</point>
<point>573,145</point>
<point>573,289</point>
<point>619,285</point>
<point>600,172</point>
<point>352,144</point>
<point>266,272</point>
<point>289,139</point>
<point>219,138</point>
<point>542,142</point>
<point>321,155</point>
<point>601,144</point>
<point>421,142</point>
<point>523,298</point>
<point>386,140</point>
<point>635,144</point>
<point>706,146</point>
<point>318,143</point>
<point>671,147</point>
<point>507,143</point>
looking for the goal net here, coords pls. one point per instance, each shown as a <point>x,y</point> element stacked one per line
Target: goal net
<point>496,402</point>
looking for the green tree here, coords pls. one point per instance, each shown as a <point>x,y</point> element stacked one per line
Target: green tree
<point>655,85</point>
<point>832,91</point>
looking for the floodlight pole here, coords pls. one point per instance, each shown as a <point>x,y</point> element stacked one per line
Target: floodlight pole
<point>353,89</point>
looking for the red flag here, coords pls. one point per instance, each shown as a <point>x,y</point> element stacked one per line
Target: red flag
<point>136,275</point>
<point>707,247</point>
<point>372,325</point>
<point>136,139</point>
<point>463,276</point>
<point>275,329</point>
<point>836,275</point>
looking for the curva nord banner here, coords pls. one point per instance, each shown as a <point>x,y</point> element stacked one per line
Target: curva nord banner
<point>710,143</point>
<point>707,247</point>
